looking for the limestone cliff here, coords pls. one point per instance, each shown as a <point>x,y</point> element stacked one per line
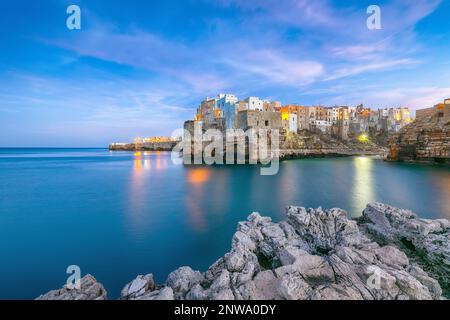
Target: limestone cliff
<point>425,140</point>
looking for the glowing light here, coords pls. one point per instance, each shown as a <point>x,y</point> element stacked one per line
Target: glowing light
<point>159,139</point>
<point>198,176</point>
<point>362,192</point>
<point>363,138</point>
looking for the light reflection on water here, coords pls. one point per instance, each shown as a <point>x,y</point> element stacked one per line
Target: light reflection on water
<point>443,196</point>
<point>196,179</point>
<point>362,191</point>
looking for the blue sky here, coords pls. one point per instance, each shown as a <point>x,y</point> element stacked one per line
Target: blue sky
<point>141,67</point>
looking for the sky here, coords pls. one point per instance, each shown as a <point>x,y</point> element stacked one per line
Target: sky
<point>140,68</point>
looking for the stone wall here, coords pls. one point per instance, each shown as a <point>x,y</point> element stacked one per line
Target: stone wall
<point>259,119</point>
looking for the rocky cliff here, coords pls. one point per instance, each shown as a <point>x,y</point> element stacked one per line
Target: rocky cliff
<point>425,140</point>
<point>146,146</point>
<point>314,254</point>
<point>315,144</point>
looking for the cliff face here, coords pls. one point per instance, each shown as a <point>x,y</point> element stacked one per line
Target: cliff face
<point>314,254</point>
<point>148,146</point>
<point>424,140</point>
<point>315,144</point>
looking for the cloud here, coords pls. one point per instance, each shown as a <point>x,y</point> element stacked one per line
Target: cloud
<point>276,68</point>
<point>134,107</point>
<point>376,66</point>
<point>300,13</point>
<point>145,51</point>
<point>413,97</point>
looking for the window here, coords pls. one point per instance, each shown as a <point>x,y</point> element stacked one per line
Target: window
<point>267,123</point>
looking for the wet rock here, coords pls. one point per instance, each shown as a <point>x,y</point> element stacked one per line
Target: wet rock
<point>183,279</point>
<point>426,242</point>
<point>314,254</point>
<point>164,293</point>
<point>90,289</point>
<point>138,287</point>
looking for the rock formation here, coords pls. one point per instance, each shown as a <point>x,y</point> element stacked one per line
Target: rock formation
<point>426,242</point>
<point>425,140</point>
<point>90,289</point>
<point>318,254</point>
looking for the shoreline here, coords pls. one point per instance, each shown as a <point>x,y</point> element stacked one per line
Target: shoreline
<point>284,154</point>
<point>314,254</point>
<point>292,154</point>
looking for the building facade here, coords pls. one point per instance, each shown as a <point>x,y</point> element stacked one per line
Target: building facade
<point>256,119</point>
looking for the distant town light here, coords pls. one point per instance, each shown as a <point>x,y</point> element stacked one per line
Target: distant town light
<point>363,138</point>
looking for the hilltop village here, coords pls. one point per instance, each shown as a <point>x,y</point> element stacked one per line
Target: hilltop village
<point>305,131</point>
<point>226,111</point>
<point>324,131</point>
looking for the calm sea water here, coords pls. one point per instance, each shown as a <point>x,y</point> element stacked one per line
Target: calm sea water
<point>117,215</point>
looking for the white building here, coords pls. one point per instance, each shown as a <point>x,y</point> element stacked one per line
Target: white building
<point>293,123</point>
<point>227,104</point>
<point>223,99</point>
<point>335,114</point>
<point>322,125</point>
<point>254,103</point>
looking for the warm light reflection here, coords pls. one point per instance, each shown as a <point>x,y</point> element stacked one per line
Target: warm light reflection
<point>158,163</point>
<point>363,191</point>
<point>137,166</point>
<point>443,181</point>
<point>198,176</point>
<point>288,186</point>
<point>197,216</point>
<point>136,195</point>
<point>196,195</point>
<point>147,164</point>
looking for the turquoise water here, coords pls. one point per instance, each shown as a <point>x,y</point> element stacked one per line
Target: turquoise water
<point>117,215</point>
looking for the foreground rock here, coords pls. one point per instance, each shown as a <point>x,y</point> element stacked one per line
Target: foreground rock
<point>426,242</point>
<point>427,139</point>
<point>318,254</point>
<point>90,289</point>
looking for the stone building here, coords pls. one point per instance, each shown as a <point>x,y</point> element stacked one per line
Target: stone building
<point>271,106</point>
<point>227,103</point>
<point>426,139</point>
<point>302,118</point>
<point>441,110</point>
<point>259,119</point>
<point>254,103</point>
<point>343,123</point>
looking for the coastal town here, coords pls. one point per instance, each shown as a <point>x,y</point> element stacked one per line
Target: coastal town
<point>310,131</point>
<point>226,111</point>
